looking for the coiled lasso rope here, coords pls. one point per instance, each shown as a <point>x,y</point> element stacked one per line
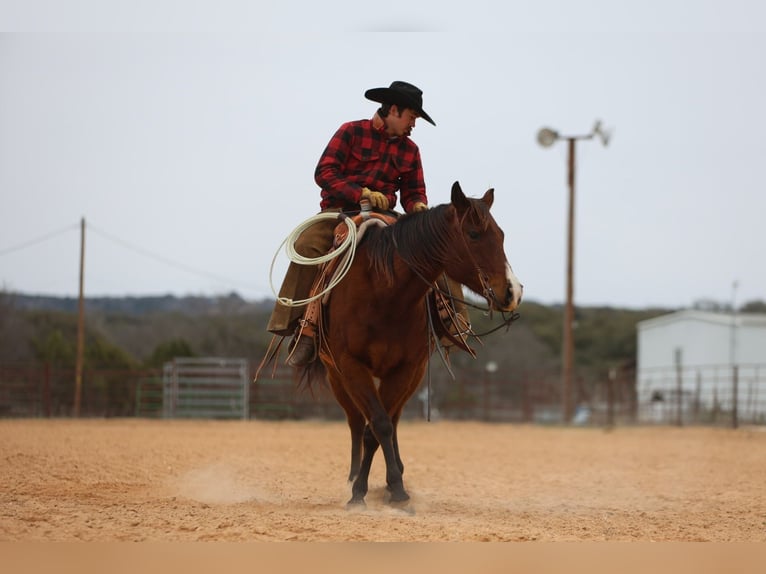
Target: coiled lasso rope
<point>347,249</point>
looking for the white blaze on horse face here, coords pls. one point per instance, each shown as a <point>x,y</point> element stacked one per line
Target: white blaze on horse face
<point>515,285</point>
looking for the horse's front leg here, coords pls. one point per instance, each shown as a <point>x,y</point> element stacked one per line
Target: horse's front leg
<point>394,399</point>
<point>358,385</point>
<point>395,421</point>
<point>371,445</point>
<point>360,486</point>
<point>383,430</point>
<point>380,432</point>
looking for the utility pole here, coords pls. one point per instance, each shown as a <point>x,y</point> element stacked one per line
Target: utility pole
<point>80,326</point>
<point>546,137</point>
<point>733,358</point>
<point>567,353</point>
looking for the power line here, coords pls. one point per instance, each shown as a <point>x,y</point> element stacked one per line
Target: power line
<point>37,240</point>
<point>170,262</point>
<point>135,248</point>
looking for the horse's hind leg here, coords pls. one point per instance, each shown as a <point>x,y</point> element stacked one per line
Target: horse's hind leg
<point>356,424</point>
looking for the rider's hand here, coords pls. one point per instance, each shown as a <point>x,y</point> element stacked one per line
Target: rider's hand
<point>419,206</point>
<point>377,199</point>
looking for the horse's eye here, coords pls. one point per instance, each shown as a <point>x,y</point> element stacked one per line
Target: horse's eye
<point>473,234</point>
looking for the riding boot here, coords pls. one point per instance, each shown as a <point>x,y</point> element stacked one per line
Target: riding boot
<point>303,348</point>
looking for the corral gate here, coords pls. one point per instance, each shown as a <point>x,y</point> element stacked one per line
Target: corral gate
<point>208,387</point>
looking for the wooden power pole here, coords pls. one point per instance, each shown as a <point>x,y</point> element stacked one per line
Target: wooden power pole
<point>80,326</point>
<point>546,137</point>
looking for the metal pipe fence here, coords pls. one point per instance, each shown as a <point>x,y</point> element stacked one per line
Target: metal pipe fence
<point>722,394</point>
<point>710,396</point>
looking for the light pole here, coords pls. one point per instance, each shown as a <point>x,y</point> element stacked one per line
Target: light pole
<point>489,369</point>
<point>546,137</point>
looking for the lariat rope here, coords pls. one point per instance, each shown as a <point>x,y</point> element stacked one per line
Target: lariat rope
<point>347,249</point>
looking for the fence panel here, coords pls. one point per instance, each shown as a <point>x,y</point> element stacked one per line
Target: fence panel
<point>703,394</point>
<point>207,387</point>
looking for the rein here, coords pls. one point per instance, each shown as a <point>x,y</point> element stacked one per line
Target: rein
<point>507,321</point>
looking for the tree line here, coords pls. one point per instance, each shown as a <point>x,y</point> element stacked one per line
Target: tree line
<point>136,332</point>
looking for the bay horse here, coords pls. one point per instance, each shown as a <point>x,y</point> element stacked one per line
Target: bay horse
<point>375,342</point>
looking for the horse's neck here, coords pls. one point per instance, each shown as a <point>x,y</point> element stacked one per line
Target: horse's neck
<point>419,281</point>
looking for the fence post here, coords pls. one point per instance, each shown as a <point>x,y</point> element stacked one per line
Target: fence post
<point>679,378</point>
<point>610,397</point>
<point>734,396</point>
<point>698,397</point>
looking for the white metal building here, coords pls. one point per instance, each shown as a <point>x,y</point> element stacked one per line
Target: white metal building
<point>691,354</point>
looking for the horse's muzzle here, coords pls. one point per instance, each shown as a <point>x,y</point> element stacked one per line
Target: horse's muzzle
<point>514,290</point>
<point>513,296</point>
<point>505,298</point>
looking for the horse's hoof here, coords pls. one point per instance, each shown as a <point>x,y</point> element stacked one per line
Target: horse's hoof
<point>356,504</point>
<point>398,497</point>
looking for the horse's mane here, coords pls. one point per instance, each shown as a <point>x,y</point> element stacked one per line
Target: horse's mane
<point>420,239</point>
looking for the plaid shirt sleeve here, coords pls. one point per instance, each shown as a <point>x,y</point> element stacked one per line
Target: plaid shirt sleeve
<point>411,183</point>
<point>357,156</point>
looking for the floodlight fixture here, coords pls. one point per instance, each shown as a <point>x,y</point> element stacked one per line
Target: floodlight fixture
<point>546,137</point>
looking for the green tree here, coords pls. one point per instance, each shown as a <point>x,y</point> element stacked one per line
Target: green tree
<point>54,348</point>
<point>168,350</point>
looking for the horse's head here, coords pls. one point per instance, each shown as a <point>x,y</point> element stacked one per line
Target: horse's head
<point>480,262</point>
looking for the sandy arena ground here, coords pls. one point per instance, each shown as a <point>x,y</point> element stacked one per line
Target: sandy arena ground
<point>139,480</point>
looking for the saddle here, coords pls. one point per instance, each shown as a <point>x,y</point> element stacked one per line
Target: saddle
<point>448,327</point>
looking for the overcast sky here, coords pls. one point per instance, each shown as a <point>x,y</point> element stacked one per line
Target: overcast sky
<point>187,137</point>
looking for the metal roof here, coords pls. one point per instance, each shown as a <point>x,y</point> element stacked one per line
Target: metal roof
<point>757,320</point>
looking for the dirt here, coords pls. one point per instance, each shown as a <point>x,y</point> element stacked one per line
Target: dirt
<point>144,480</point>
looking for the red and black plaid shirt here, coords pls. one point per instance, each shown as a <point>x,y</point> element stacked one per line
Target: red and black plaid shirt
<point>360,156</point>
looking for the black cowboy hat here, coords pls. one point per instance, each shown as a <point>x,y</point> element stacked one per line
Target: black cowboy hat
<point>401,94</point>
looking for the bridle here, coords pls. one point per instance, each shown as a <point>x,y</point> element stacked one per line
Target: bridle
<point>508,317</point>
<point>487,291</point>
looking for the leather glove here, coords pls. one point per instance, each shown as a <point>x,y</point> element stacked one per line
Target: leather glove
<point>419,206</point>
<point>377,199</point>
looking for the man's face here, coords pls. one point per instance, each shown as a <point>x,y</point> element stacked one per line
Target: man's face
<point>400,121</point>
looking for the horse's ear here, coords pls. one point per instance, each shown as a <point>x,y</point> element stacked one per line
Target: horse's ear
<point>458,198</point>
<point>489,197</point>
